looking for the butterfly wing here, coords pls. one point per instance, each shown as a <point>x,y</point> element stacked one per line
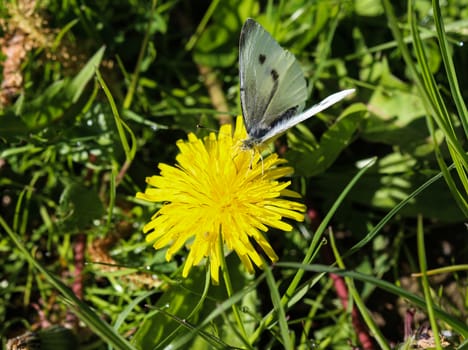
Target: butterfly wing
<point>272,84</point>
<point>286,123</point>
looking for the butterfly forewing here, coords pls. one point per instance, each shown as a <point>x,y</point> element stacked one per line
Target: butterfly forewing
<point>272,82</point>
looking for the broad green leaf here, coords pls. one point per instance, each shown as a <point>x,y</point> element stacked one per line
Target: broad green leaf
<point>178,300</point>
<point>391,180</point>
<point>309,161</point>
<point>368,8</point>
<point>79,206</point>
<point>218,43</point>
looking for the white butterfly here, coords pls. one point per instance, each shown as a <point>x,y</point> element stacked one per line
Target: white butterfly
<point>273,89</point>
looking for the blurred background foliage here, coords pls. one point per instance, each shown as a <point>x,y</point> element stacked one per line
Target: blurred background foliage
<point>75,147</point>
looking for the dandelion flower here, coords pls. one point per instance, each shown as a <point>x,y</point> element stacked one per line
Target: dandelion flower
<point>219,191</point>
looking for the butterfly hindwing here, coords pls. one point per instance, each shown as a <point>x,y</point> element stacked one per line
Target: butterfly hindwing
<point>287,123</point>
<point>273,86</point>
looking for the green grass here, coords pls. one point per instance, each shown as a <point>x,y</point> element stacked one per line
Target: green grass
<point>95,94</point>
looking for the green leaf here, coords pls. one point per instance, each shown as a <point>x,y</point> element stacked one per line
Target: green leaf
<point>79,206</point>
<point>309,161</point>
<point>391,180</point>
<point>368,8</point>
<point>12,125</point>
<point>215,46</point>
<point>179,300</point>
<point>75,88</point>
<point>59,98</point>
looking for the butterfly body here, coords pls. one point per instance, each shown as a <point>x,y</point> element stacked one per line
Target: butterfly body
<point>273,89</point>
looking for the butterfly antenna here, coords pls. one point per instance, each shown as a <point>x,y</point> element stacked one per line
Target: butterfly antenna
<point>200,126</point>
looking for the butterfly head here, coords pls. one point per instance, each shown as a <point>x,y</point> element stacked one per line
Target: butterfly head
<point>249,144</point>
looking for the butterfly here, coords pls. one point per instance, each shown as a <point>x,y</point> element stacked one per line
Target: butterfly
<point>273,89</point>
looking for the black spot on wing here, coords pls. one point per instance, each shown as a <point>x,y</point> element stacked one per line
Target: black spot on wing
<point>274,75</point>
<point>261,58</point>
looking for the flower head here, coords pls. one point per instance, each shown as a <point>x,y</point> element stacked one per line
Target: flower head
<point>219,191</point>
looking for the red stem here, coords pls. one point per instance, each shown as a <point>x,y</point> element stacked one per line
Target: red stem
<point>341,289</point>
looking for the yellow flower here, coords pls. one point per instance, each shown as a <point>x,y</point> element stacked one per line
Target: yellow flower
<point>217,190</point>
